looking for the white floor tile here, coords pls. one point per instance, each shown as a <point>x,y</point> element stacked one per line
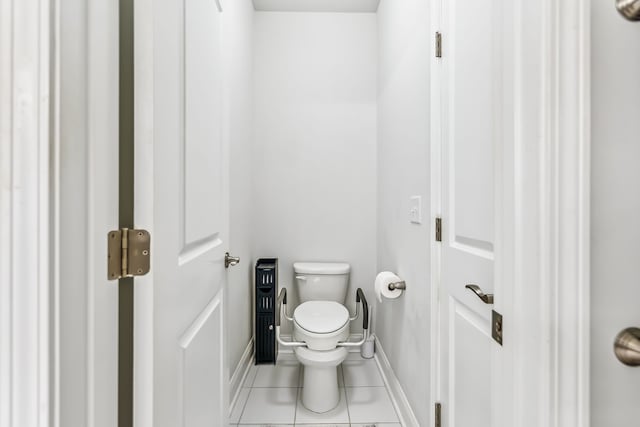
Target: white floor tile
<point>324,425</point>
<point>239,406</point>
<point>270,406</point>
<point>286,357</point>
<point>370,405</point>
<point>251,376</point>
<point>340,376</point>
<point>338,415</point>
<point>355,355</point>
<point>265,425</point>
<point>361,373</point>
<point>284,374</point>
<point>377,425</point>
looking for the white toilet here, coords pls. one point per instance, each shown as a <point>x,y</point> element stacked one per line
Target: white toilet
<point>321,328</point>
<point>321,321</point>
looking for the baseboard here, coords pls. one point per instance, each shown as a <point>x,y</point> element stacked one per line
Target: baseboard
<point>398,397</point>
<point>240,373</point>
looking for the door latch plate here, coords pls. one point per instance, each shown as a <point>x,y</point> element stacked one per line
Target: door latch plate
<point>496,326</point>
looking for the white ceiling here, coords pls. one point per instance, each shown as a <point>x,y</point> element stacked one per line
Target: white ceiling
<point>317,5</point>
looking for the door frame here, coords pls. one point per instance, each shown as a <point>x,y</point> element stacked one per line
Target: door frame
<point>25,227</point>
<point>143,325</point>
<point>84,207</point>
<point>542,269</point>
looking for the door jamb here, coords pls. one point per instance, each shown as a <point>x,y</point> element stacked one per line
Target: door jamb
<point>25,206</point>
<point>544,289</point>
<point>435,159</point>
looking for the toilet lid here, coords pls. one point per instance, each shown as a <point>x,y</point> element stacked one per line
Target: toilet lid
<point>321,317</point>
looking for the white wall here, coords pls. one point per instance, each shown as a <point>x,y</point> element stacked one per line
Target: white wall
<point>314,155</point>
<point>403,325</point>
<point>238,59</point>
<point>615,211</point>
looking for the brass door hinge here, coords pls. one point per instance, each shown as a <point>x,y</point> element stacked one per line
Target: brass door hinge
<point>128,253</point>
<point>438,415</point>
<point>438,44</point>
<point>438,229</point>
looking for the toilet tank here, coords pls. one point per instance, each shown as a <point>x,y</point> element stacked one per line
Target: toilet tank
<point>322,281</point>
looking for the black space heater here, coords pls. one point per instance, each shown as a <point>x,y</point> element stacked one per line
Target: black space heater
<point>265,301</point>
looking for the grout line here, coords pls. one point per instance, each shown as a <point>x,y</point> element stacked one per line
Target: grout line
<point>346,399</point>
<point>244,407</point>
<point>252,379</point>
<point>295,412</point>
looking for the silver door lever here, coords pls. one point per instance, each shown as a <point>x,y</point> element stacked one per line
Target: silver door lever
<point>486,298</point>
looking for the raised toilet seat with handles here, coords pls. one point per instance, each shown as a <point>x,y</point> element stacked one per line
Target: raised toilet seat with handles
<point>320,338</point>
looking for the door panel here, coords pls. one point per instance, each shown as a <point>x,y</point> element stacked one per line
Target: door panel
<point>186,202</point>
<point>201,363</point>
<point>470,116</point>
<point>202,150</point>
<point>470,353</point>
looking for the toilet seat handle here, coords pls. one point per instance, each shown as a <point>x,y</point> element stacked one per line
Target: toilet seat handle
<point>365,308</point>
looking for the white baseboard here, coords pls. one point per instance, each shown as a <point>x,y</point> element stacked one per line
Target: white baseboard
<point>240,373</point>
<point>399,399</point>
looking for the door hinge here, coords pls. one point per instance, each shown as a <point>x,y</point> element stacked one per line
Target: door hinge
<point>128,253</point>
<point>438,229</point>
<point>496,326</point>
<point>438,415</point>
<point>438,44</point>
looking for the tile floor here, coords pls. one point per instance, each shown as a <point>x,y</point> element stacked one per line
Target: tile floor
<point>270,397</point>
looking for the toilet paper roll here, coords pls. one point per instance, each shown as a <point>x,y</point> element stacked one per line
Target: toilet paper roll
<point>382,286</point>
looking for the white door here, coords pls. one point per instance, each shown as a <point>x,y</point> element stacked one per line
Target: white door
<point>470,115</point>
<point>182,198</point>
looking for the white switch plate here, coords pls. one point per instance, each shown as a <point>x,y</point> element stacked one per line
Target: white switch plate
<point>415,209</point>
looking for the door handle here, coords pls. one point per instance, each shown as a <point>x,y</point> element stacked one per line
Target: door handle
<point>627,346</point>
<point>230,260</point>
<point>630,9</point>
<point>486,298</point>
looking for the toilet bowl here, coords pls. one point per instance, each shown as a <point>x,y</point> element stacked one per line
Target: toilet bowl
<point>320,392</point>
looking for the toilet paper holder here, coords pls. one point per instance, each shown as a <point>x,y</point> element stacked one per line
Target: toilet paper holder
<point>398,285</point>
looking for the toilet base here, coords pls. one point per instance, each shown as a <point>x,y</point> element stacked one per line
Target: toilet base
<point>320,391</point>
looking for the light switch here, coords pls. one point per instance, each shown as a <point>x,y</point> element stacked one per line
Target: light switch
<point>415,209</point>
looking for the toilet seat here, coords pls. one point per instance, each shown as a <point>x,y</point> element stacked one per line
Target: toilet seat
<point>321,317</point>
<point>321,324</point>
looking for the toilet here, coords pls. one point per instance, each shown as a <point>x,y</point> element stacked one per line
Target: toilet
<point>322,322</point>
